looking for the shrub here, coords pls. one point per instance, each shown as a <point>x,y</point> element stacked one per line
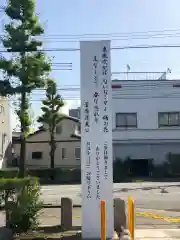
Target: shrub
<point>161,170</point>
<point>120,170</point>
<point>174,163</point>
<point>9,173</point>
<point>61,175</point>
<point>22,203</point>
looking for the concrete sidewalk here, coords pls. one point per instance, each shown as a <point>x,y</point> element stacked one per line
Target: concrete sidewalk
<point>149,234</point>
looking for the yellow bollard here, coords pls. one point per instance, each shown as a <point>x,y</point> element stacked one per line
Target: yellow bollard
<point>129,214</point>
<point>131,217</point>
<point>103,220</point>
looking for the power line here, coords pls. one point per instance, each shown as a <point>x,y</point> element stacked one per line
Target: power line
<point>61,69</point>
<point>117,33</point>
<point>155,83</point>
<point>112,39</point>
<point>109,37</point>
<point>54,40</point>
<point>113,48</point>
<point>126,96</point>
<point>123,34</point>
<point>61,63</point>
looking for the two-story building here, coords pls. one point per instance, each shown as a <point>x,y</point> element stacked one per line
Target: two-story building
<point>67,152</point>
<point>146,120</point>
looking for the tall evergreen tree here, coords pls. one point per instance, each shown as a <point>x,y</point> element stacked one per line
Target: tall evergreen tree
<point>51,115</point>
<point>27,67</point>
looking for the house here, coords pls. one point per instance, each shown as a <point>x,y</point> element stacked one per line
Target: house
<point>67,146</point>
<point>5,132</point>
<point>146,120</point>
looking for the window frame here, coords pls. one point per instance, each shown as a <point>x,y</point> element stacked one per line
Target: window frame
<point>79,128</point>
<point>63,150</point>
<point>168,124</point>
<point>37,158</point>
<point>77,158</point>
<point>126,120</point>
<point>2,109</point>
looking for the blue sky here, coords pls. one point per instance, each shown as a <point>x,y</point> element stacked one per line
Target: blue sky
<point>78,17</point>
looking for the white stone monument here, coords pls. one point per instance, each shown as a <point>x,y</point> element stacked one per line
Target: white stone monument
<point>96,136</point>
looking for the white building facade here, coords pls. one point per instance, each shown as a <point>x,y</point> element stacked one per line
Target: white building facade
<point>146,119</point>
<point>5,133</point>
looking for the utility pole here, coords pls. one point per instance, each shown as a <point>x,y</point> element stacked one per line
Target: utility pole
<point>128,69</point>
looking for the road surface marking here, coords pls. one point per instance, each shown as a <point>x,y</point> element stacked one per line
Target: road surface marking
<point>154,216</point>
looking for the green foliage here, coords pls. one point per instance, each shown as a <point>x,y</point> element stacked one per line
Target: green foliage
<point>8,173</point>
<point>22,203</point>
<point>51,115</point>
<point>61,175</point>
<point>120,170</point>
<point>173,160</point>
<point>161,171</point>
<point>27,67</point>
<point>51,106</point>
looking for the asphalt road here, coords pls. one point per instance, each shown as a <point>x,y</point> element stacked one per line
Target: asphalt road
<point>148,198</point>
<point>52,217</point>
<point>147,195</point>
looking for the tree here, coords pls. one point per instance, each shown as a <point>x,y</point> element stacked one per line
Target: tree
<point>51,114</point>
<point>27,66</point>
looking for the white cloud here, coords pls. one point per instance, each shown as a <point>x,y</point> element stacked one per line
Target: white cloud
<point>65,110</point>
<point>70,104</point>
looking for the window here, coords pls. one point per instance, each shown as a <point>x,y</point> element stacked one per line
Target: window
<point>58,129</point>
<point>36,155</point>
<point>169,119</point>
<point>1,109</point>
<point>126,120</point>
<point>79,128</point>
<point>64,154</point>
<point>77,153</point>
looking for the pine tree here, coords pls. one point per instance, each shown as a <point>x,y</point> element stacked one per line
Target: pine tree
<point>27,66</point>
<point>51,115</point>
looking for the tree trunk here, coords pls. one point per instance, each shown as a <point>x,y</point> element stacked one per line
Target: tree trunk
<point>22,158</point>
<point>23,140</point>
<point>52,154</point>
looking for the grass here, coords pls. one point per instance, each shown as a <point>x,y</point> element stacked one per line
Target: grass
<point>139,181</point>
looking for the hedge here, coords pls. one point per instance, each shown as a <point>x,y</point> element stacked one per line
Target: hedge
<point>61,175</point>
<point>64,175</point>
<point>121,173</point>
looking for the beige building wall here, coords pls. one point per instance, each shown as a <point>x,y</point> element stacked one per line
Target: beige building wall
<point>67,147</point>
<point>5,132</point>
